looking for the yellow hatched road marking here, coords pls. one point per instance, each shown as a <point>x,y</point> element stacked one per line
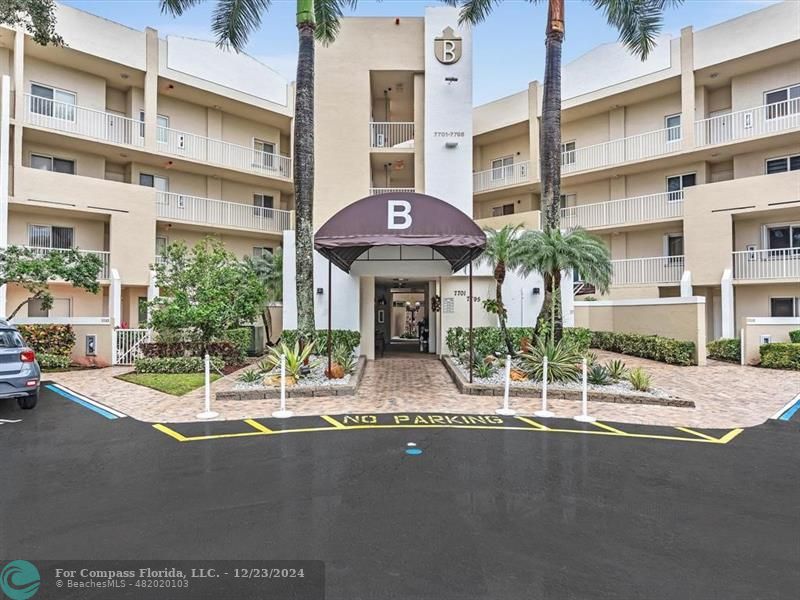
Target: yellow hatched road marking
<point>334,422</point>
<point>609,428</point>
<point>730,435</point>
<point>697,433</point>
<point>170,432</point>
<point>256,425</point>
<point>533,423</point>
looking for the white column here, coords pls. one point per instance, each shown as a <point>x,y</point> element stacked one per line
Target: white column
<point>567,299</point>
<point>728,315</point>
<point>5,131</point>
<point>686,284</point>
<point>152,291</point>
<point>115,299</point>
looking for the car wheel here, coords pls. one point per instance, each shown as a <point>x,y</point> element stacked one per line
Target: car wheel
<point>28,402</point>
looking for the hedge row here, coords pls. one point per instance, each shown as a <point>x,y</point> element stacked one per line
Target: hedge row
<point>185,364</point>
<point>781,355</point>
<point>53,361</point>
<point>725,349</point>
<point>489,340</point>
<point>346,337</point>
<point>55,340</point>
<point>667,350</point>
<point>794,336</point>
<point>231,350</point>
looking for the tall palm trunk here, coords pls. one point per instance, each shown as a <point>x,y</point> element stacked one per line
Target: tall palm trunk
<point>499,278</point>
<point>304,171</point>
<point>550,134</point>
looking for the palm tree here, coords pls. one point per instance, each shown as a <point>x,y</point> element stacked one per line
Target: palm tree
<point>232,22</point>
<point>638,23</point>
<point>552,251</point>
<point>269,268</point>
<point>505,249</point>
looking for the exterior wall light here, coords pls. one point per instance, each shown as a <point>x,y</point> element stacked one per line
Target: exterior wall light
<point>320,291</point>
<point>535,291</point>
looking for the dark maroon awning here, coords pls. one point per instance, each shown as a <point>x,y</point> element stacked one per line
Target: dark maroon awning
<point>400,219</point>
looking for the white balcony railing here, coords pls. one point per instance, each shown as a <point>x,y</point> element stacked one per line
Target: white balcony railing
<point>89,122</point>
<point>639,209</point>
<point>226,154</point>
<point>502,176</point>
<point>221,213</point>
<point>752,122</point>
<point>614,152</point>
<point>389,190</point>
<point>767,264</point>
<point>104,256</point>
<point>647,271</point>
<point>391,135</point>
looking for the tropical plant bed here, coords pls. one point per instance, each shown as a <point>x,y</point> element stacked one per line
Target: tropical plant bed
<point>620,392</point>
<point>314,384</point>
<point>176,384</point>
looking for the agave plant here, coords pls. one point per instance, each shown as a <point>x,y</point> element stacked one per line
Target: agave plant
<point>562,360</point>
<point>617,369</point>
<point>294,359</point>
<point>344,357</point>
<point>639,379</point>
<point>591,359</point>
<point>251,376</point>
<point>598,375</point>
<point>483,368</point>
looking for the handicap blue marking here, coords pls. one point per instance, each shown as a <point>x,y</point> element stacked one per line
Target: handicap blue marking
<point>83,403</point>
<point>413,451</point>
<point>790,411</point>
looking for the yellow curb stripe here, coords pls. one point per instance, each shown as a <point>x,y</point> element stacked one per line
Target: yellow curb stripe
<point>171,432</point>
<point>334,422</point>
<point>609,428</point>
<point>256,425</point>
<point>533,423</point>
<point>697,433</point>
<point>730,435</point>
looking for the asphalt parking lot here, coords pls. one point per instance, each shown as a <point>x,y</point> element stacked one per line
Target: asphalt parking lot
<point>495,510</point>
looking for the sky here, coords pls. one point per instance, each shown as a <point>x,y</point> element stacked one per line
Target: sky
<point>508,46</point>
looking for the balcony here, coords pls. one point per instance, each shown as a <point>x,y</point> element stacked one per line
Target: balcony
<point>79,120</point>
<point>752,122</point>
<point>623,150</point>
<point>222,214</point>
<point>225,154</point>
<point>390,190</point>
<point>530,220</point>
<point>394,135</point>
<point>501,177</point>
<point>767,264</point>
<point>647,271</point>
<point>104,256</point>
<point>629,211</point>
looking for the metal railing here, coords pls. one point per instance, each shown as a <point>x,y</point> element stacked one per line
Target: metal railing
<point>502,176</point>
<point>767,264</point>
<point>389,190</point>
<point>638,209</point>
<point>391,135</point>
<point>89,122</point>
<point>622,150</point>
<point>226,154</point>
<point>751,122</point>
<point>126,343</point>
<point>221,213</point>
<point>646,271</point>
<point>103,255</point>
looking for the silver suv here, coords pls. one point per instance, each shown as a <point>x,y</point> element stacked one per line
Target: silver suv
<point>19,372</point>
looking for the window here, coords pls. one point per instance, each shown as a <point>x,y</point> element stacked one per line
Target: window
<point>141,123</point>
<point>62,307</point>
<point>783,164</point>
<point>568,153</point>
<point>784,238</point>
<point>784,307</point>
<point>568,200</point>
<point>263,205</point>
<point>676,183</point>
<point>673,125</point>
<point>50,236</point>
<point>674,244</point>
<point>501,167</point>
<point>50,163</point>
<point>10,339</point>
<point>162,124</point>
<point>161,245</point>
<point>154,181</point>
<point>52,102</point>
<point>505,209</point>
<point>783,102</point>
<point>265,153</point>
<point>261,251</point>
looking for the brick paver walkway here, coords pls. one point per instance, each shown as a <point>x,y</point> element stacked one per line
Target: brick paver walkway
<point>725,395</point>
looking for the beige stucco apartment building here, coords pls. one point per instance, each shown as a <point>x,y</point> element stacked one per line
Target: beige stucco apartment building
<point>687,165</point>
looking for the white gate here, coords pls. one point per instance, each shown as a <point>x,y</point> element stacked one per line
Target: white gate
<point>125,345</point>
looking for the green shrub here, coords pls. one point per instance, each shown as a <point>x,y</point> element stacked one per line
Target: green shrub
<point>184,364</point>
<point>667,350</point>
<point>639,379</point>
<point>562,361</point>
<point>725,349</point>
<point>348,337</point>
<point>251,376</point>
<point>240,338</point>
<point>794,336</point>
<point>227,351</point>
<point>57,340</point>
<point>53,361</point>
<point>580,337</point>
<point>784,355</point>
<point>482,367</point>
<point>457,340</point>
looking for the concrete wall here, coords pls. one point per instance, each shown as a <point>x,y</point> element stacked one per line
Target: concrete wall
<point>778,329</point>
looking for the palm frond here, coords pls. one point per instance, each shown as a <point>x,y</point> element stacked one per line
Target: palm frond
<point>234,20</point>
<point>328,15</point>
<point>638,21</point>
<point>576,250</point>
<point>177,7</point>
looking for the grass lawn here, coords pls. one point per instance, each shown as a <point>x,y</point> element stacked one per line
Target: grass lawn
<point>176,384</point>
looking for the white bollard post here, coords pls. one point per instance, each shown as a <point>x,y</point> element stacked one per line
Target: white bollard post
<point>584,416</point>
<point>741,347</point>
<point>544,412</point>
<point>506,410</point>
<point>283,413</point>
<point>207,413</point>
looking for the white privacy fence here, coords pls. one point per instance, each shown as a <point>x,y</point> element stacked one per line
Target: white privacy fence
<point>197,147</point>
<point>636,147</point>
<point>389,190</point>
<point>219,212</point>
<point>502,176</point>
<point>645,271</point>
<point>391,135</point>
<point>767,264</point>
<point>620,212</point>
<point>89,122</point>
<point>104,256</point>
<point>125,345</point>
<point>752,122</point>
